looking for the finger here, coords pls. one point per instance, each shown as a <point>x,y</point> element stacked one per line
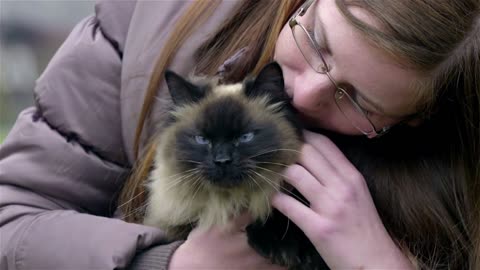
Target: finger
<point>324,145</point>
<point>318,165</point>
<point>330,152</point>
<point>304,217</point>
<point>321,142</point>
<point>301,179</point>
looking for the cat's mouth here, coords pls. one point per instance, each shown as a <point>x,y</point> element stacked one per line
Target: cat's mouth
<point>225,177</point>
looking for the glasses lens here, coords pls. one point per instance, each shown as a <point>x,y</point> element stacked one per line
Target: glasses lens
<point>353,112</point>
<point>307,48</point>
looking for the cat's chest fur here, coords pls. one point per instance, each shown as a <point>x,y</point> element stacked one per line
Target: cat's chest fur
<point>172,204</point>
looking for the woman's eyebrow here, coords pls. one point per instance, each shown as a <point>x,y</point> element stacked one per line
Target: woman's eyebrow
<point>319,27</point>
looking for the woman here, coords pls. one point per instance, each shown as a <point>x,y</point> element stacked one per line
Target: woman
<point>374,66</point>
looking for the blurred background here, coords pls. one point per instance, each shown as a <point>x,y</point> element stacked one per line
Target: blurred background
<point>30,33</point>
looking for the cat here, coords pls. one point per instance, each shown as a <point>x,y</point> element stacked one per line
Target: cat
<point>222,153</point>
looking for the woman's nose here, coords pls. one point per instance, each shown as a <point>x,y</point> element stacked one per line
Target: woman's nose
<point>312,90</point>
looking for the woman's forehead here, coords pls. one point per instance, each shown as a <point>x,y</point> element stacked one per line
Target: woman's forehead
<point>374,73</point>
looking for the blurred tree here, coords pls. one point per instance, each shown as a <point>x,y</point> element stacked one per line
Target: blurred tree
<point>30,33</point>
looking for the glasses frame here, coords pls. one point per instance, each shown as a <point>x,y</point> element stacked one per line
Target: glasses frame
<point>340,92</point>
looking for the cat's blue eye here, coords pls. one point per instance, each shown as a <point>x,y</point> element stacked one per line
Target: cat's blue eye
<point>246,137</point>
<point>201,140</point>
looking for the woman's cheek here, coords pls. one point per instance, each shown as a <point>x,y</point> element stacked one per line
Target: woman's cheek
<point>286,51</point>
<point>289,58</point>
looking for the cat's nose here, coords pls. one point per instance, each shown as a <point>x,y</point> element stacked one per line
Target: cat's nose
<point>223,160</point>
<point>222,154</point>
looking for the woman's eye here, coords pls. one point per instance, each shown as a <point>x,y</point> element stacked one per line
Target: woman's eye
<point>367,112</point>
<point>357,99</point>
<point>364,106</point>
<point>315,42</point>
<point>319,44</point>
<point>246,137</point>
<point>201,140</point>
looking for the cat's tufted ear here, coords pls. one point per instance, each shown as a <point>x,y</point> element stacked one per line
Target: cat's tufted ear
<point>268,82</point>
<point>181,90</point>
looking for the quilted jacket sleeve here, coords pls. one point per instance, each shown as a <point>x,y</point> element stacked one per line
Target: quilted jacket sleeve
<point>63,163</point>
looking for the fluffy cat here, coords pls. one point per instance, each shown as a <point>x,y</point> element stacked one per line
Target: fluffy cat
<point>222,153</point>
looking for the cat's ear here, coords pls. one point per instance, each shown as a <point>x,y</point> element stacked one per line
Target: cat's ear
<point>268,82</point>
<point>181,90</point>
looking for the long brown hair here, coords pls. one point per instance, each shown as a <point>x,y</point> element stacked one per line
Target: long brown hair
<point>435,187</point>
<point>441,39</point>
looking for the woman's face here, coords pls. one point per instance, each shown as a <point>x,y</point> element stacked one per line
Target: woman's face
<point>364,71</point>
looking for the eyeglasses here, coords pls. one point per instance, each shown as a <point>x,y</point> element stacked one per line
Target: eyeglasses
<point>313,55</point>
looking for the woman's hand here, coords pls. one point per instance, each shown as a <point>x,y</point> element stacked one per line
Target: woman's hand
<point>220,248</point>
<point>342,221</point>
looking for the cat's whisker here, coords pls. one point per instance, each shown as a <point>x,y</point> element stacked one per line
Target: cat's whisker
<point>249,183</point>
<point>197,184</point>
<point>274,150</point>
<point>273,163</point>
<point>288,220</point>
<point>268,181</point>
<point>189,161</point>
<point>181,176</point>
<point>181,179</point>
<point>263,191</point>
<point>176,182</point>
<point>198,181</point>
<point>283,188</point>
<point>181,173</point>
<point>254,181</point>
<point>144,206</point>
<point>143,191</point>
<point>272,171</point>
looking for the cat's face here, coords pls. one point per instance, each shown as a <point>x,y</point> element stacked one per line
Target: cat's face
<point>233,135</point>
<point>228,144</point>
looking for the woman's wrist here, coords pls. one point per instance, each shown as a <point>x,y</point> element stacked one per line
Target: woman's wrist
<point>393,257</point>
<point>157,257</point>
